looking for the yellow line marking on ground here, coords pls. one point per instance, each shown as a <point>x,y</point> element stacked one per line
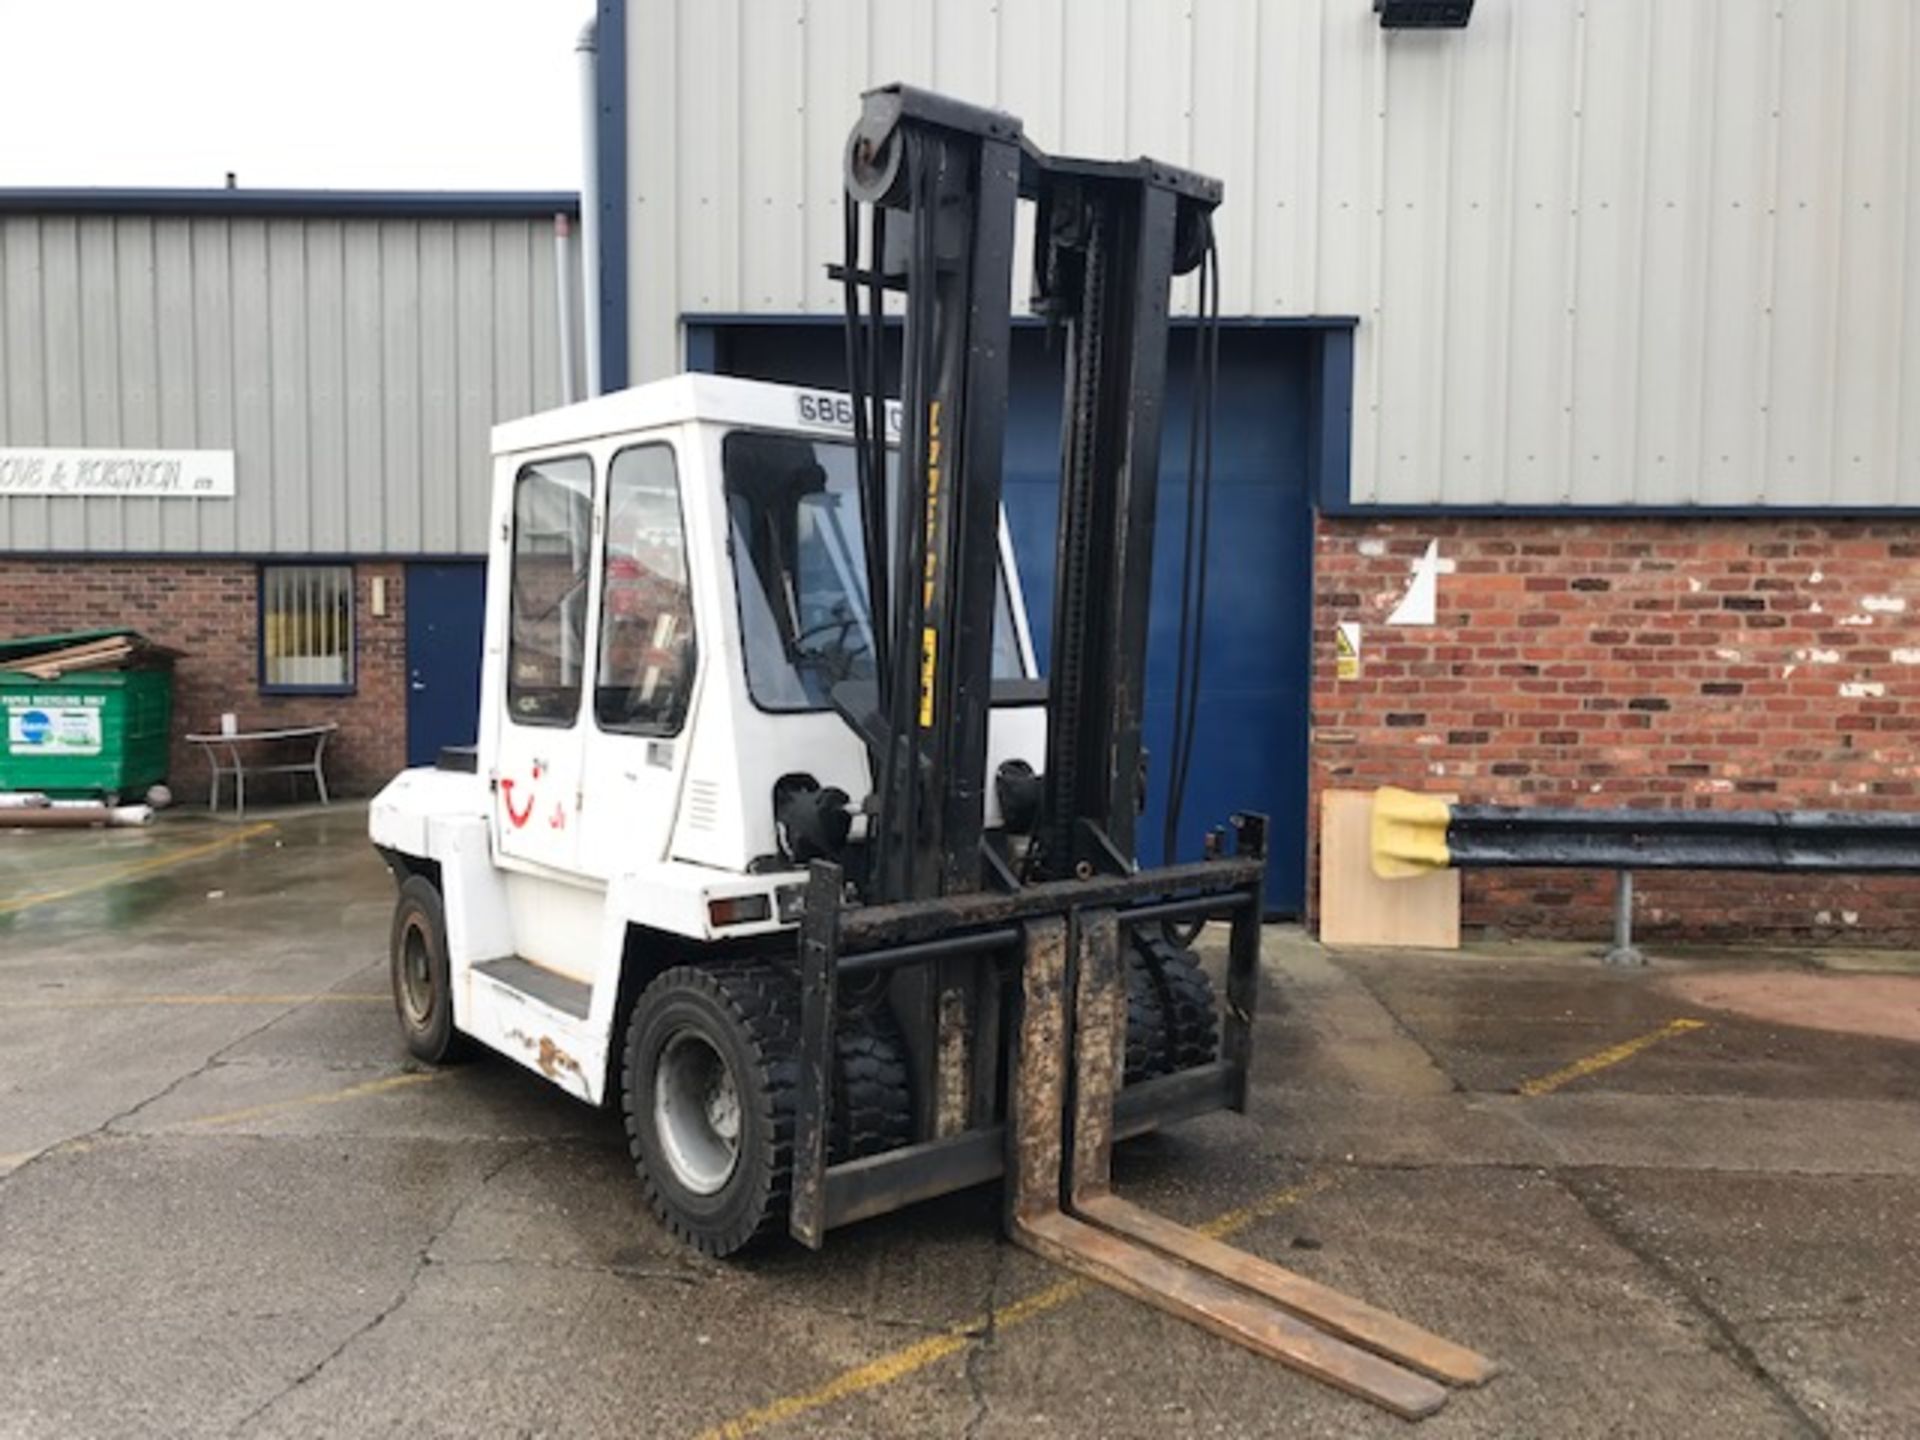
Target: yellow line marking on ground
<point>110,1002</point>
<point>81,1144</point>
<point>905,1361</point>
<point>1604,1059</point>
<point>323,1097</point>
<point>137,868</point>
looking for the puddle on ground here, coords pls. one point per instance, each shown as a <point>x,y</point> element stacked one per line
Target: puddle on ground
<point>1884,1005</point>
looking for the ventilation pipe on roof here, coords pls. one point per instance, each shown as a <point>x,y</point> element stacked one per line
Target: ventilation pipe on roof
<point>585,50</point>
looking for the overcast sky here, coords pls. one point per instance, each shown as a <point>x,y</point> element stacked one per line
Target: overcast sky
<point>342,94</point>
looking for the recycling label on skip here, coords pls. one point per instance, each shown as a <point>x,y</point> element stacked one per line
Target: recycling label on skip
<point>53,725</point>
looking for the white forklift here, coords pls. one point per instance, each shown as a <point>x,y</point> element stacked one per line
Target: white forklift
<point>774,838</point>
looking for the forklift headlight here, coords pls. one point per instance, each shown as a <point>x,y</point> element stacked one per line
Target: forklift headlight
<point>738,910</point>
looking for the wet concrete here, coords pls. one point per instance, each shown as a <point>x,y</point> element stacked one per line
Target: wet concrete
<point>230,1205</point>
<point>1886,1006</point>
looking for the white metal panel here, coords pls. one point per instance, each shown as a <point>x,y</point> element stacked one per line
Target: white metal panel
<point>402,398</point>
<point>325,479</point>
<point>362,299</point>
<point>354,381</point>
<point>1619,253</point>
<point>439,387</point>
<point>174,366</point>
<point>252,506</point>
<point>24,353</point>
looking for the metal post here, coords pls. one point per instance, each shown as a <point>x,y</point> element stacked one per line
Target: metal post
<point>1623,952</point>
<point>563,295</point>
<point>586,50</point>
<point>1243,965</point>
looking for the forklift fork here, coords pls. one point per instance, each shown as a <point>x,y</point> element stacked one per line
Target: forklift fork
<point>1067,1057</point>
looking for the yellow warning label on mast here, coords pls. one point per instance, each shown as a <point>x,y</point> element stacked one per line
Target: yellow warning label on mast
<point>929,643</point>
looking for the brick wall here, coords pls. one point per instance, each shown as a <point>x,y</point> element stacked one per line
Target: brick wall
<point>1770,664</point>
<point>211,611</point>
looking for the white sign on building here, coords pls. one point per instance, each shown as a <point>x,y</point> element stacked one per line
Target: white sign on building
<point>162,474</point>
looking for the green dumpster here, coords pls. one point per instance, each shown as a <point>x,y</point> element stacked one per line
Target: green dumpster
<point>85,731</point>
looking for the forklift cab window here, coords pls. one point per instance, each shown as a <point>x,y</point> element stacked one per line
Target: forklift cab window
<point>552,546</point>
<point>646,613</point>
<point>794,508</point>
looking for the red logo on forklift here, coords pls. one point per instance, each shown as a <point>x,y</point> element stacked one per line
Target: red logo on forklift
<point>518,817</point>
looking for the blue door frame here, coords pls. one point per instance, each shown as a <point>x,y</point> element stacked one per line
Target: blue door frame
<point>446,608</point>
<point>1272,404</point>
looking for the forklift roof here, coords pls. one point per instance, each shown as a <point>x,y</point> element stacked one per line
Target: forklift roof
<point>717,398</point>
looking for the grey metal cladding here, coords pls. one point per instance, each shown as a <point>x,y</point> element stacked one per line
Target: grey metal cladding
<point>353,362</point>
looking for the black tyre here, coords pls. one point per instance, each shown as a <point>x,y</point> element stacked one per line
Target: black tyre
<point>417,964</point>
<point>1146,1021</point>
<point>872,1092</point>
<point>1186,1001</point>
<point>707,1090</point>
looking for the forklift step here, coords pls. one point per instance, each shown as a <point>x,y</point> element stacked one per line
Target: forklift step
<point>549,987</point>
<point>1327,1309</point>
<point>1228,1310</point>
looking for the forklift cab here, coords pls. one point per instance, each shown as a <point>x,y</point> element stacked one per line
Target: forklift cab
<point>676,603</point>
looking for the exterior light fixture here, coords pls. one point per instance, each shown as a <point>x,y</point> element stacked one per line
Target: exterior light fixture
<point>1423,14</point>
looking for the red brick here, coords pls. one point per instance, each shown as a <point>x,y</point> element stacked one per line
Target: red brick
<point>209,610</point>
<point>1690,683</point>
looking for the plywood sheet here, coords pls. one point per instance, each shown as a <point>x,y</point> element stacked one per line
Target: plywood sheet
<point>1357,907</point>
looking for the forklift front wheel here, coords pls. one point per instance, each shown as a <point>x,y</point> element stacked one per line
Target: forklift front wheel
<point>422,994</point>
<point>707,1094</point>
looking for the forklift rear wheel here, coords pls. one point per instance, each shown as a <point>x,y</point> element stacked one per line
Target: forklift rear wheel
<point>1186,1002</point>
<point>1146,1022</point>
<point>707,1090</point>
<point>417,958</point>
<point>872,1099</point>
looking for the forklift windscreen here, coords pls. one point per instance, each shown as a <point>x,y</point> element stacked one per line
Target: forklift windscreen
<point>794,509</point>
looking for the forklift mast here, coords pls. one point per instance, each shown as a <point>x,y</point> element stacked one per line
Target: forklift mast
<point>1012,970</point>
<point>942,179</point>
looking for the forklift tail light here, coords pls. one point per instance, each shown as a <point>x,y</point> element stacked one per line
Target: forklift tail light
<point>738,910</point>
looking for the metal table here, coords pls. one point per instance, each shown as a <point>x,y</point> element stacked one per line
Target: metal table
<point>224,758</point>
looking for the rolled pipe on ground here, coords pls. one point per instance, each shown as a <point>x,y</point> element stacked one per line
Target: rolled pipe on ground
<point>74,816</point>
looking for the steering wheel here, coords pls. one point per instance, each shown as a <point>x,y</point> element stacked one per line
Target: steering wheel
<point>834,659</point>
<point>839,626</point>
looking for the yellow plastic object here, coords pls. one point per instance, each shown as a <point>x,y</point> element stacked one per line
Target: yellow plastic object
<point>1409,833</point>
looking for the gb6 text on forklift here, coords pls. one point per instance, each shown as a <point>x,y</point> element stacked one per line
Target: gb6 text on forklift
<point>774,839</point>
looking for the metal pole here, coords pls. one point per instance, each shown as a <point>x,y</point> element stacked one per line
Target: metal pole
<point>1623,952</point>
<point>563,290</point>
<point>585,50</point>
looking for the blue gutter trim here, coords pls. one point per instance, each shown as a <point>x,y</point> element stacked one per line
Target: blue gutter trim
<point>424,204</point>
<point>1330,445</point>
<point>610,109</point>
<point>703,348</point>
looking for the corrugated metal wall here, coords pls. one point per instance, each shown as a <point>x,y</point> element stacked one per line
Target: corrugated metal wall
<point>353,365</point>
<point>1603,251</point>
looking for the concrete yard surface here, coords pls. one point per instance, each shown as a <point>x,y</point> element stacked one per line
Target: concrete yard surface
<point>230,1204</point>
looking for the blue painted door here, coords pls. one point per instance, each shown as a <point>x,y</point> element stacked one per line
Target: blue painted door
<point>446,607</point>
<point>1250,746</point>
